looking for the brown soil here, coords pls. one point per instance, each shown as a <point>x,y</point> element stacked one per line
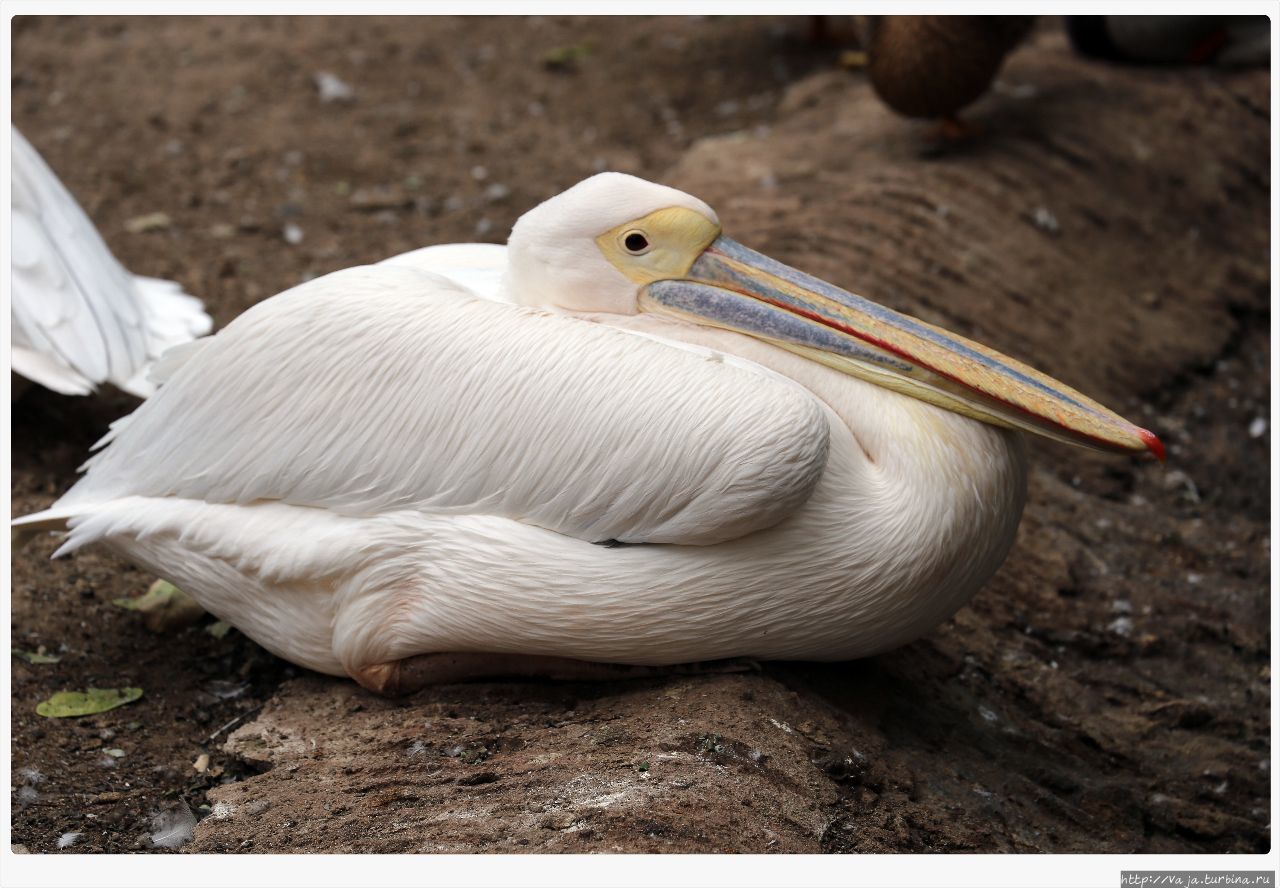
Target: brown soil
<point>1108,691</point>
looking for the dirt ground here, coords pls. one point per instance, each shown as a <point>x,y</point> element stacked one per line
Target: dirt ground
<point>1108,691</point>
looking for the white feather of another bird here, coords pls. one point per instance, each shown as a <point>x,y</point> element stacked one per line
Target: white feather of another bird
<point>67,839</point>
<point>79,318</point>
<point>173,827</point>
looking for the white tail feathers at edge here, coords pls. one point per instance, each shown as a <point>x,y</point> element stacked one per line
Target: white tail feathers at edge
<point>173,318</point>
<point>22,530</point>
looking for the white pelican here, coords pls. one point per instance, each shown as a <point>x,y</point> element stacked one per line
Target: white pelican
<point>80,319</point>
<point>387,474</point>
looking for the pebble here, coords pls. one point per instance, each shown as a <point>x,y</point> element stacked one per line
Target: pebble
<point>1045,220</point>
<point>1122,626</point>
<point>148,222</point>
<point>1258,427</point>
<point>292,233</point>
<point>333,88</point>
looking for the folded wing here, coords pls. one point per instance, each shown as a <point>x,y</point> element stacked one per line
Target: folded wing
<point>383,388</point>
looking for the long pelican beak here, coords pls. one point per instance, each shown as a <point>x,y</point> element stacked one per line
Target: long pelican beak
<point>734,287</point>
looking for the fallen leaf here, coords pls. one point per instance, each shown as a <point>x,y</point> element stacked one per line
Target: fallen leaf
<point>853,59</point>
<point>71,704</point>
<point>35,657</point>
<point>566,57</point>
<point>165,606</point>
<point>218,629</point>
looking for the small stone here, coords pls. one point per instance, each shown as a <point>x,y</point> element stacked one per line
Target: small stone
<point>148,222</point>
<point>201,764</point>
<point>1258,427</point>
<point>1045,220</point>
<point>333,88</point>
<point>1122,626</point>
<point>380,197</point>
<point>292,233</point>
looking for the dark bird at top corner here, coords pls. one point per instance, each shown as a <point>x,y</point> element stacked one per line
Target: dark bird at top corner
<point>934,66</point>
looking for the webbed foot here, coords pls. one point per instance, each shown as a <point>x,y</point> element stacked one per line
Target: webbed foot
<point>412,674</point>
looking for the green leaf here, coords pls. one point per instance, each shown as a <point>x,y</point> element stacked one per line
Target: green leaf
<point>218,629</point>
<point>72,704</point>
<point>158,595</point>
<point>164,607</point>
<point>566,56</point>
<point>35,657</point>
<point>115,752</point>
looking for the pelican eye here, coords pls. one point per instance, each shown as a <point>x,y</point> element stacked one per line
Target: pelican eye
<point>635,242</point>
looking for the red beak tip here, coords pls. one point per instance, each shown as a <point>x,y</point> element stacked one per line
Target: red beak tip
<point>1153,444</point>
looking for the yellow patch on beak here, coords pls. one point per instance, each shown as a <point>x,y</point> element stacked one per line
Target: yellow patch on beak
<point>660,246</point>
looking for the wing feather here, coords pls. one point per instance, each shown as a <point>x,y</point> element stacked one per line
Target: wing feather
<point>478,267</point>
<point>74,306</point>
<point>383,388</point>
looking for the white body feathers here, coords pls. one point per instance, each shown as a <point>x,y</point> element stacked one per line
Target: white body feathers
<point>381,463</point>
<point>79,318</point>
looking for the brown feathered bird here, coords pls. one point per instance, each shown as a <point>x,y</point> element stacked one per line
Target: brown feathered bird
<point>932,66</point>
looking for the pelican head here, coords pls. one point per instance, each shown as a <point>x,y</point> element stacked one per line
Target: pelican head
<point>617,244</point>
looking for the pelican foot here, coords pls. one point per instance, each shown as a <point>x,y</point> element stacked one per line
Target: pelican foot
<point>412,674</point>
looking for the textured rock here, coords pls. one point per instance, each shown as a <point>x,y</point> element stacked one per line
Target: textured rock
<point>529,767</point>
